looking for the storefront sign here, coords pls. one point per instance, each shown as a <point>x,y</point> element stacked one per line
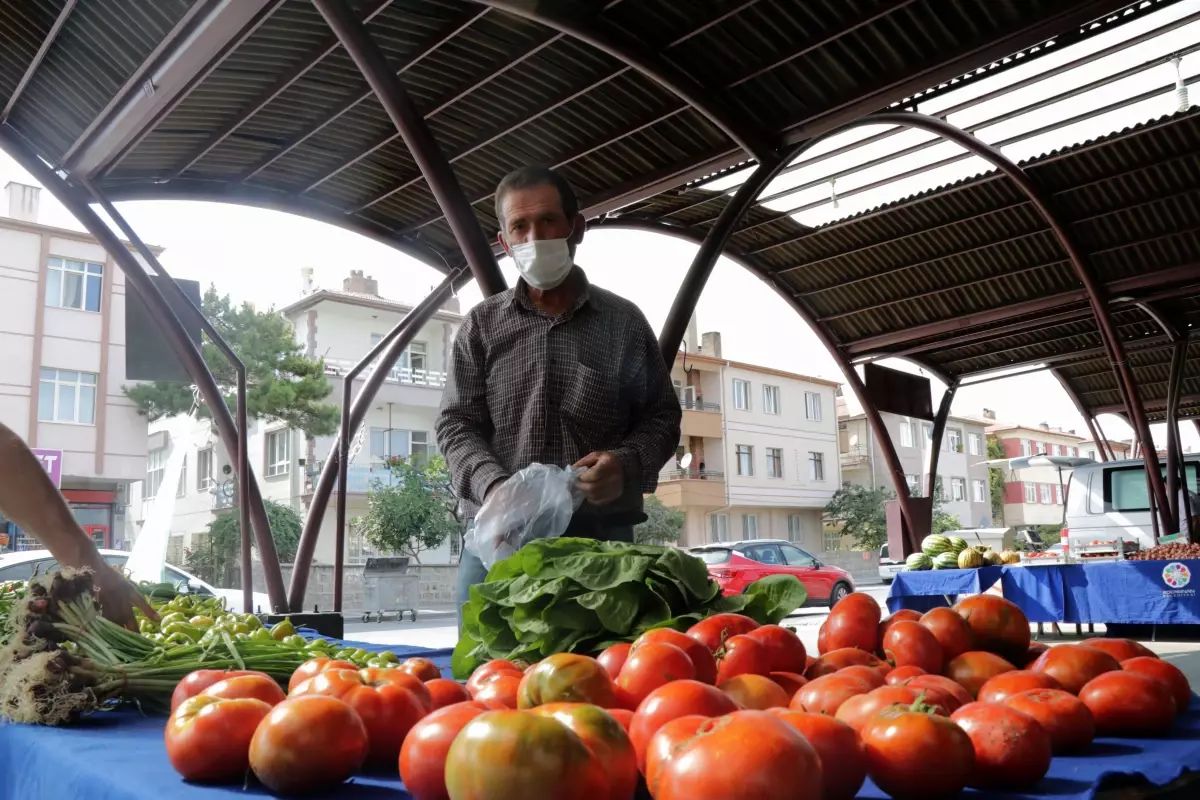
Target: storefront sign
<point>52,461</point>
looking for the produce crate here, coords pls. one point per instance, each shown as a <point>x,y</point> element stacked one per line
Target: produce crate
<point>1042,559</point>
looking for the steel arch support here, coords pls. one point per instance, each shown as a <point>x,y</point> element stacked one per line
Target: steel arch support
<point>159,310</point>
<point>386,352</point>
<point>939,430</point>
<point>420,142</point>
<point>571,18</point>
<point>1088,419</point>
<point>1174,452</point>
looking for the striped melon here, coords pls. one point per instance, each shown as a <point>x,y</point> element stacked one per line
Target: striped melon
<point>993,559</point>
<point>970,558</point>
<point>917,562</point>
<point>946,561</point>
<point>935,544</point>
<point>957,544</point>
<point>1010,557</point>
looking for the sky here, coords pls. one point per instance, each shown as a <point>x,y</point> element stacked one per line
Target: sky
<point>256,255</point>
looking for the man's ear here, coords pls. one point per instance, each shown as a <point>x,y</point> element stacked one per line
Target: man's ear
<point>578,230</point>
<point>503,244</point>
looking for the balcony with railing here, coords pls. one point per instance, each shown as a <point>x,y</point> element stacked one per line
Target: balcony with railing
<point>700,418</point>
<point>855,457</point>
<point>359,478</point>
<point>399,375</point>
<point>691,487</point>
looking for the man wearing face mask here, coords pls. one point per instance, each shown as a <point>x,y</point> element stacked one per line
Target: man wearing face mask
<point>555,371</point>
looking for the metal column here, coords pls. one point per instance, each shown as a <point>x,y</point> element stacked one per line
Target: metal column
<point>1174,453</point>
<point>939,429</point>
<point>420,142</point>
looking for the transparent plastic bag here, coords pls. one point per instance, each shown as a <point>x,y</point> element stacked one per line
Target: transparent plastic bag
<point>535,503</point>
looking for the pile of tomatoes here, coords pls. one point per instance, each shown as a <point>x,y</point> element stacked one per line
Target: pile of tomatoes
<point>924,705</point>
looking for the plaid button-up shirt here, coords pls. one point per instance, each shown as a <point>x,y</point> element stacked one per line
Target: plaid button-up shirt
<point>524,387</point>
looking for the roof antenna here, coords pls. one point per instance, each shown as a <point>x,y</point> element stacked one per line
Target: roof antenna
<point>833,191</point>
<point>1181,89</point>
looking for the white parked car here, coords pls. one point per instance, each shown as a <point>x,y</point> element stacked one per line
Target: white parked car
<point>888,567</point>
<point>22,565</point>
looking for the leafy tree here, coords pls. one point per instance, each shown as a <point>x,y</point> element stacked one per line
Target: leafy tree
<point>417,511</point>
<point>996,482</point>
<point>662,526</point>
<point>863,514</point>
<point>218,559</point>
<point>281,384</point>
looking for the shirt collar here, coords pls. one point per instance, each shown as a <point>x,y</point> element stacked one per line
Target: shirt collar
<point>520,293</point>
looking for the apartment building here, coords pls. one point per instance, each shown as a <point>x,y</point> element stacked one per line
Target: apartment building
<point>339,326</point>
<point>763,446</point>
<point>62,366</point>
<point>1090,449</point>
<point>1034,496</point>
<point>965,489</point>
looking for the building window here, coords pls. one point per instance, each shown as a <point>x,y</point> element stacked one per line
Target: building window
<point>812,406</point>
<point>1073,452</point>
<point>74,284</point>
<point>974,444</point>
<point>416,357</point>
<point>927,430</point>
<point>741,394</point>
<point>156,465</point>
<point>1031,493</point>
<point>816,466</point>
<point>795,529</point>
<point>914,484</point>
<point>455,544</point>
<point>749,526</point>
<point>204,469</point>
<point>718,527</point>
<point>979,491</point>
<point>745,460</point>
<point>1026,447</point>
<point>389,443</point>
<point>67,396</point>
<point>954,439</point>
<point>1047,495</point>
<point>278,452</point>
<point>1092,455</point>
<point>906,434</point>
<point>958,489</point>
<point>422,447</point>
<point>774,462</point>
<point>181,490</point>
<point>770,399</point>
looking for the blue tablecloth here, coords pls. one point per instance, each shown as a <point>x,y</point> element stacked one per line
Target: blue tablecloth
<point>121,756</point>
<point>926,589</point>
<point>1130,592</point>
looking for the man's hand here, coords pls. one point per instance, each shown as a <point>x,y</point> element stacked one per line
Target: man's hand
<point>603,479</point>
<point>496,484</point>
<point>118,597</point>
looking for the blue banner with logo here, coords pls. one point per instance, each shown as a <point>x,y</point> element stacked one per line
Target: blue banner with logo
<point>1142,592</point>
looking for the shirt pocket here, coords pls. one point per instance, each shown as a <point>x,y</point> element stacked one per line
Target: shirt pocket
<point>593,407</point>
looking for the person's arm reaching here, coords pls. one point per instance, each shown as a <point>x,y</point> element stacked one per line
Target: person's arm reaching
<point>464,426</point>
<point>28,498</point>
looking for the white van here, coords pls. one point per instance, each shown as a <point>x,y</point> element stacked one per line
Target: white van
<point>1108,500</point>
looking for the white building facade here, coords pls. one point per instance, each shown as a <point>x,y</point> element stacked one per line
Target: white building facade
<point>62,369</point>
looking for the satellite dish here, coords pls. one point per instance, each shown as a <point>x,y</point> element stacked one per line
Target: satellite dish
<point>685,461</point>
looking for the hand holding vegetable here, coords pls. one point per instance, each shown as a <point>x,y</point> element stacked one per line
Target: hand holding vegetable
<point>119,597</point>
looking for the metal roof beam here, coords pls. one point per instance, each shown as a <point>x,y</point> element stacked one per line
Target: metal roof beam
<point>38,57</point>
<point>1155,403</point>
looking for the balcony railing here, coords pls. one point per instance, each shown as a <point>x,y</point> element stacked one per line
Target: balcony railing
<point>690,475</point>
<point>401,375</point>
<point>856,456</point>
<point>359,479</point>
<point>699,405</point>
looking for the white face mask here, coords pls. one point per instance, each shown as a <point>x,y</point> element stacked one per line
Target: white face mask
<point>545,263</point>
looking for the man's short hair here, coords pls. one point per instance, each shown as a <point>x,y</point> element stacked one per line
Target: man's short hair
<point>536,175</point>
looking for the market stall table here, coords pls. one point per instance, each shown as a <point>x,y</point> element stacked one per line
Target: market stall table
<point>926,589</point>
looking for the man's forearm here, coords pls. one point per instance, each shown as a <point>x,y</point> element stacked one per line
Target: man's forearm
<point>28,498</point>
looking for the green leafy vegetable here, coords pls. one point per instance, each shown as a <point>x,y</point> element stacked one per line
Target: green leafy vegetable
<point>581,595</point>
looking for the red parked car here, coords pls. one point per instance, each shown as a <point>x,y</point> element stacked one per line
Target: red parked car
<point>735,565</point>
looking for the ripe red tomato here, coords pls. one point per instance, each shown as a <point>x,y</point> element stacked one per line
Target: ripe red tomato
<point>486,672</point>
<point>973,669</point>
<point>621,715</point>
<point>208,738</point>
<point>903,615</point>
<point>911,644</point>
<point>387,707</point>
<point>666,739</point>
<point>529,755</point>
<point>1073,665</point>
<point>899,675</point>
<point>1033,654</point>
<point>835,660</point>
<point>790,682</point>
<point>854,622</point>
<point>874,676</point>
<point>785,650</point>
<point>565,678</point>
<point>651,666</point>
<point>1129,704</point>
<point>196,682</point>
<point>713,631</point>
<point>958,695</point>
<point>422,669</point>
<point>256,687</point>
<point>314,667</point>
<point>755,692</point>
<point>613,658</point>
<point>606,738</point>
<point>423,754</point>
<point>843,760</point>
<point>1005,685</point>
<point>952,632</point>
<point>445,692</point>
<point>703,660</point>
<point>1066,719</point>
<point>770,754</point>
<point>500,692</point>
<point>1012,750</point>
<point>999,625</point>
<point>307,743</point>
<point>1166,672</point>
<point>915,755</point>
<point>743,656</point>
<point>825,695</point>
<point>674,700</point>
<point>1120,649</point>
<point>856,711</point>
